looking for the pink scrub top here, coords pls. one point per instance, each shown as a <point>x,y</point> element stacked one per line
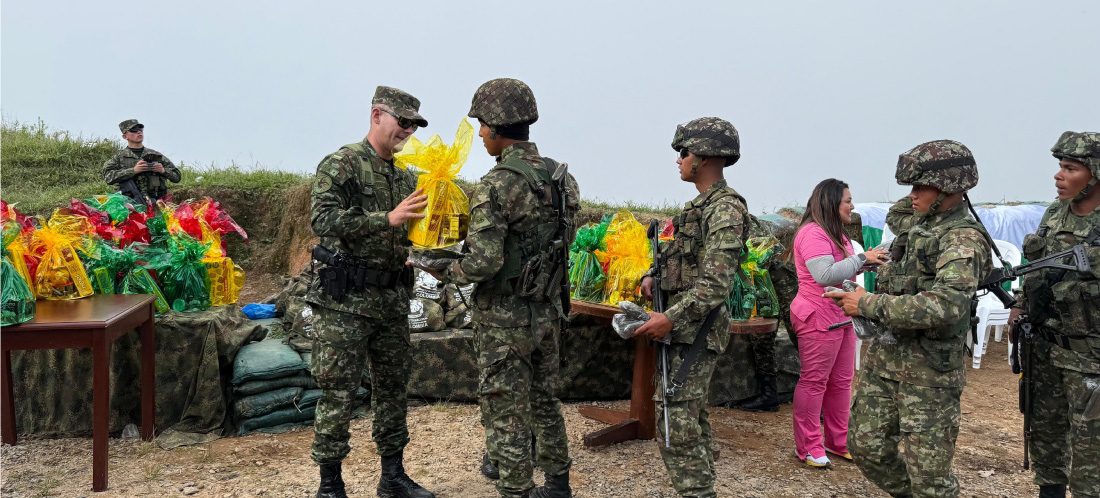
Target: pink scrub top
<point>810,311</point>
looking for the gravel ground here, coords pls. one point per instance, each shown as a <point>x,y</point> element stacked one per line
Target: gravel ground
<point>757,457</point>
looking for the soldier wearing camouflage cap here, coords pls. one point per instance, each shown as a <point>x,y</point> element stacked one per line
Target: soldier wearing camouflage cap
<point>149,178</point>
<point>521,224</point>
<point>700,265</point>
<point>1064,363</point>
<point>360,298</point>
<point>909,392</point>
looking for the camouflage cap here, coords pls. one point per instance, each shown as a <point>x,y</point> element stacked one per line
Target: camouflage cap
<point>400,102</point>
<point>1083,147</point>
<point>504,102</point>
<point>708,137</point>
<point>129,123</point>
<point>945,164</point>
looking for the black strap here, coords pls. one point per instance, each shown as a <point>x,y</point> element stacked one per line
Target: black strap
<point>695,350</point>
<point>947,163</point>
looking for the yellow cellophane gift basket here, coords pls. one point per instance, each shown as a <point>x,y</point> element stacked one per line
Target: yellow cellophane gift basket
<point>447,215</point>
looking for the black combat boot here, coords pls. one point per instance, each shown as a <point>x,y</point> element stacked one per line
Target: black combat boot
<point>332,484</point>
<point>768,401</point>
<point>555,487</point>
<point>1052,491</point>
<point>488,469</point>
<point>395,483</point>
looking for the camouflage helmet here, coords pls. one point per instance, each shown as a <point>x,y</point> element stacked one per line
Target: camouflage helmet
<point>504,102</point>
<point>1083,147</point>
<point>708,137</point>
<point>945,164</point>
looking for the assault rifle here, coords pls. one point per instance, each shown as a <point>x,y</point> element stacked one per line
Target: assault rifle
<point>1054,261</point>
<point>654,234</point>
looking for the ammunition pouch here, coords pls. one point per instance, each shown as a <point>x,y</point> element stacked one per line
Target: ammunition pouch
<point>1077,344</point>
<point>343,274</point>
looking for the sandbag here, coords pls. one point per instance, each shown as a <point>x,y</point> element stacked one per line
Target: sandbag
<point>428,288</point>
<point>458,296</point>
<point>425,316</point>
<point>266,360</point>
<point>278,417</point>
<point>303,380</point>
<point>459,318</point>
<point>266,402</point>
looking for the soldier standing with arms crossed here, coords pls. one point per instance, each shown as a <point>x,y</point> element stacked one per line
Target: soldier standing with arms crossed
<point>701,262</point>
<point>1064,308</point>
<point>521,226</point>
<point>909,392</point>
<point>360,298</point>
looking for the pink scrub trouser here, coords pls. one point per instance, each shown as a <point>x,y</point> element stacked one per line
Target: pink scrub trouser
<point>825,385</point>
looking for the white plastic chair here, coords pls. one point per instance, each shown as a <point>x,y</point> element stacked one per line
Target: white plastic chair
<point>1013,257</point>
<point>991,313</point>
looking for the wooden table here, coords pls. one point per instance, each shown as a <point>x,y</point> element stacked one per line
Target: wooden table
<point>641,421</point>
<point>94,322</point>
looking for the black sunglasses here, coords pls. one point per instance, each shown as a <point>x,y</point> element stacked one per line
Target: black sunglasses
<point>684,153</point>
<point>135,130</point>
<point>403,122</point>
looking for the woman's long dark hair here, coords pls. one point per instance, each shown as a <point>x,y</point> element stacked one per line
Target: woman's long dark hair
<point>823,208</point>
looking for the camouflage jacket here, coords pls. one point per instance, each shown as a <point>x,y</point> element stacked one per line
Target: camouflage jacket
<point>1073,299</point>
<point>927,300</point>
<point>353,193</point>
<point>505,203</point>
<point>120,168</point>
<point>713,228</point>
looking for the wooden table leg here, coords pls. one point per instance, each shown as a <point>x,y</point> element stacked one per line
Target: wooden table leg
<point>642,406</point>
<point>148,377</point>
<point>101,406</point>
<point>8,397</point>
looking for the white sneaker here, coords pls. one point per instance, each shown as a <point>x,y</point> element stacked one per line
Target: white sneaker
<point>816,462</point>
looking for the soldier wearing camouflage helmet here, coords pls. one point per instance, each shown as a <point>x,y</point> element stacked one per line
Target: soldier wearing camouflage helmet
<point>521,224</point>
<point>360,298</point>
<point>701,262</point>
<point>1064,363</point>
<point>909,391</point>
<point>150,178</point>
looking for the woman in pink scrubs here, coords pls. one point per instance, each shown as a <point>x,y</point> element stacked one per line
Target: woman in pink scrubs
<point>823,256</point>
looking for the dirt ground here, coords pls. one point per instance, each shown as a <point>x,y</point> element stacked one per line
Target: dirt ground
<point>757,457</point>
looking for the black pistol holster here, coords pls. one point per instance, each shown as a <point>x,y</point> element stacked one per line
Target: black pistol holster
<point>342,274</point>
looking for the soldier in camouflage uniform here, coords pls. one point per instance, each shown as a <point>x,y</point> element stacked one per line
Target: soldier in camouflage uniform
<point>127,164</point>
<point>360,205</point>
<point>521,225</point>
<point>908,393</point>
<point>700,264</point>
<point>1064,307</point>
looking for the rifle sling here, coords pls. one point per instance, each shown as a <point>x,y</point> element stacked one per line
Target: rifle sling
<point>695,350</point>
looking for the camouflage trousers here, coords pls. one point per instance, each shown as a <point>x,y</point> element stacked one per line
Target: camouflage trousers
<point>924,420</point>
<point>1065,448</point>
<point>763,353</point>
<point>343,343</point>
<point>518,366</point>
<point>689,458</point>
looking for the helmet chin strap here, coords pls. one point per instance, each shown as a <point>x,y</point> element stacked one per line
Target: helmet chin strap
<point>492,134</point>
<point>935,205</point>
<point>695,164</point>
<point>1085,191</point>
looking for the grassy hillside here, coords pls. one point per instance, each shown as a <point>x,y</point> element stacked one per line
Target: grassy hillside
<point>41,169</point>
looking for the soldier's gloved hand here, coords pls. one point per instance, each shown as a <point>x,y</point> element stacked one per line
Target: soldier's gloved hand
<point>408,208</point>
<point>656,328</point>
<point>141,166</point>
<point>647,287</point>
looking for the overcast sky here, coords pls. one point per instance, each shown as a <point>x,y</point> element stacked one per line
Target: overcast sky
<point>816,89</point>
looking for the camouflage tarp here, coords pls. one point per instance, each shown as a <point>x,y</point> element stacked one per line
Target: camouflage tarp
<point>596,364</point>
<point>194,360</point>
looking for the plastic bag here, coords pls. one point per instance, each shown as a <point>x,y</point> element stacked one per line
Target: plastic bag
<point>742,299</point>
<point>586,276</point>
<point>118,206</point>
<point>627,258</point>
<point>630,320</point>
<point>185,279</point>
<point>15,292</point>
<point>226,280</point>
<point>139,281</point>
<point>99,219</point>
<point>60,274</point>
<point>257,311</point>
<point>1092,398</point>
<point>866,328</point>
<point>133,230</point>
<point>758,251</point>
<point>78,229</point>
<point>447,215</point>
<point>215,218</point>
<point>15,249</point>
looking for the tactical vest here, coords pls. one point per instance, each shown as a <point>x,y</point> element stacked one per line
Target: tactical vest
<point>682,256</point>
<point>915,272</point>
<point>366,170</point>
<point>1064,301</point>
<point>535,260</point>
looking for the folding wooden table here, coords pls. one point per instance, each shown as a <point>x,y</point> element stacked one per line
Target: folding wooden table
<point>94,322</point>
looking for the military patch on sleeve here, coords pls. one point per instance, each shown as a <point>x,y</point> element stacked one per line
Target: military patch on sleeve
<point>323,184</point>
